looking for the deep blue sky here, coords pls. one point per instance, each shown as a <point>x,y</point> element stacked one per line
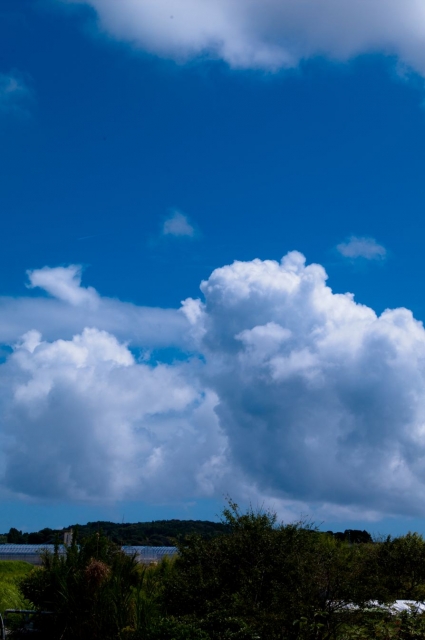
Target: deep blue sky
<point>263,164</point>
<point>110,140</point>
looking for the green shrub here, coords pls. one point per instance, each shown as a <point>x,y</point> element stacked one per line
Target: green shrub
<point>90,591</point>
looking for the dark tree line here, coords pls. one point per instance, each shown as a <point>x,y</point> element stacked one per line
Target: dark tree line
<point>162,533</point>
<point>353,536</point>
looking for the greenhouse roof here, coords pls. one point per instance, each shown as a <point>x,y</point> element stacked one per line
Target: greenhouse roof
<point>150,551</point>
<point>26,549</point>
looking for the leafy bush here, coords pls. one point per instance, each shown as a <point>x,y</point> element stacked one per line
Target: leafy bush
<point>90,591</point>
<point>275,581</point>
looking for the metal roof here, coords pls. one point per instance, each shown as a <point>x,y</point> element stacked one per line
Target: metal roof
<point>27,549</point>
<point>149,552</point>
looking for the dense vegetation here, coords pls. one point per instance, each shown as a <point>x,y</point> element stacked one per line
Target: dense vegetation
<point>158,533</point>
<point>257,580</point>
<point>10,575</point>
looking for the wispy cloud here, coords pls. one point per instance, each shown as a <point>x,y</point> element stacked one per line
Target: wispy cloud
<point>178,225</point>
<point>63,283</point>
<point>362,247</point>
<point>14,93</point>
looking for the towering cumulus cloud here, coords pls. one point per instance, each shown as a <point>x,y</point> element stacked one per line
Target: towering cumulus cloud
<point>321,399</point>
<point>294,393</point>
<point>82,420</point>
<point>268,34</point>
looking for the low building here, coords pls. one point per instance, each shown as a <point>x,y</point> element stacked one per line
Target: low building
<point>33,553</point>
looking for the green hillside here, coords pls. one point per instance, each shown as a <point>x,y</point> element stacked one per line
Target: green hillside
<point>157,533</point>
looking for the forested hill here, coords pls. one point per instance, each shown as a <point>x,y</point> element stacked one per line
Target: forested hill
<point>157,533</point>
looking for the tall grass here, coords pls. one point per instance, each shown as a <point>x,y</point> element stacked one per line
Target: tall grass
<point>11,572</point>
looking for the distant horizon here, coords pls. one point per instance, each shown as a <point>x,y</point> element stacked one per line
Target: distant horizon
<point>380,529</point>
<point>71,526</point>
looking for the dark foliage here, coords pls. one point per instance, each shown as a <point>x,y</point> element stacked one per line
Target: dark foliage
<point>265,580</point>
<point>159,533</point>
<point>257,580</point>
<point>88,592</point>
<point>15,537</point>
<point>353,536</point>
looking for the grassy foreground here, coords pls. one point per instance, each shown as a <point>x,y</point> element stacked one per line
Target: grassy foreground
<point>11,572</point>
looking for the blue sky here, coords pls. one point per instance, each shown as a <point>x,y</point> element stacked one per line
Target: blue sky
<point>150,158</point>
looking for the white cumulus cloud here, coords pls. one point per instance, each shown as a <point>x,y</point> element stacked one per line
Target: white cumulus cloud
<point>268,34</point>
<point>82,420</point>
<point>296,394</point>
<point>360,247</point>
<point>322,400</point>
